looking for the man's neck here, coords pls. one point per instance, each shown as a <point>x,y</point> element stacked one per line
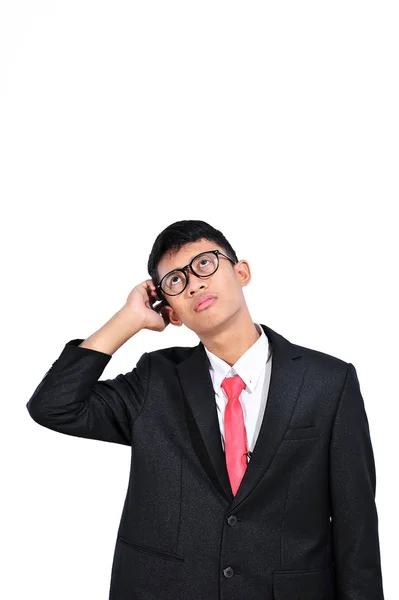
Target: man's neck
<point>230,344</point>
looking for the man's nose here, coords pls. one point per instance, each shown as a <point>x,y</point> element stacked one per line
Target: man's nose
<point>194,282</point>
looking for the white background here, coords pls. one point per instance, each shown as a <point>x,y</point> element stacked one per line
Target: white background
<point>277,123</point>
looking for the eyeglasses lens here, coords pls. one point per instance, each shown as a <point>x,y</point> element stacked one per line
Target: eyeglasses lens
<point>204,264</point>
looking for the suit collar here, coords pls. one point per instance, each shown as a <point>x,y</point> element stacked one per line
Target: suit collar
<point>288,369</point>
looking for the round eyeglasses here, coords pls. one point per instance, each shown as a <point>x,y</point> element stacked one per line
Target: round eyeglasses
<point>202,265</point>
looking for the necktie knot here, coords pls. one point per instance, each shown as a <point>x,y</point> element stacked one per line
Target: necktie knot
<point>233,386</point>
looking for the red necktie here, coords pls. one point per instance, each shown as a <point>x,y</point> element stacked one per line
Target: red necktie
<point>234,431</point>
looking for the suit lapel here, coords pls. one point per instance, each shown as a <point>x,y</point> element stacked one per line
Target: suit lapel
<point>287,373</point>
<point>202,419</point>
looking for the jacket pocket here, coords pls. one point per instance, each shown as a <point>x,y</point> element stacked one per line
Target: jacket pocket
<point>316,584</point>
<point>152,551</point>
<point>302,433</point>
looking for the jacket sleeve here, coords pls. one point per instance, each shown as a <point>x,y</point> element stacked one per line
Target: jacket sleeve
<point>71,400</point>
<point>352,493</point>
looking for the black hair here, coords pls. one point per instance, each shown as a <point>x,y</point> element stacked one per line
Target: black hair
<point>180,233</point>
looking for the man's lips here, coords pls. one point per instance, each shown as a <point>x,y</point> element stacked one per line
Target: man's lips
<point>207,301</point>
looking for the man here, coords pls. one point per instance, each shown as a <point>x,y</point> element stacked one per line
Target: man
<point>252,470</point>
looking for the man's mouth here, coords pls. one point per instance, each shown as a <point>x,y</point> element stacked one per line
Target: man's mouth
<point>205,303</point>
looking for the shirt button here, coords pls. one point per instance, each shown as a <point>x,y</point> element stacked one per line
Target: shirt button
<point>232,520</point>
<point>228,572</point>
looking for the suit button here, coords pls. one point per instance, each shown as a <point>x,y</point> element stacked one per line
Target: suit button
<point>232,520</point>
<point>228,572</point>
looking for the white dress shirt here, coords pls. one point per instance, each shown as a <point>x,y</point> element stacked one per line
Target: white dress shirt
<point>251,367</point>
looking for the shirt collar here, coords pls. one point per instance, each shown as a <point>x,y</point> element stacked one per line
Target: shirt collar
<point>249,366</point>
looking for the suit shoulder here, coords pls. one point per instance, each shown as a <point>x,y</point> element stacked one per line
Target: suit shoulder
<point>172,354</point>
<point>320,358</point>
<point>312,355</point>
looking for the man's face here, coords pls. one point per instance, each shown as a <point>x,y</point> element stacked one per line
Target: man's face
<point>226,284</point>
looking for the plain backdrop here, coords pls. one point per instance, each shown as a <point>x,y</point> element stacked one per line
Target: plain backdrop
<point>277,123</point>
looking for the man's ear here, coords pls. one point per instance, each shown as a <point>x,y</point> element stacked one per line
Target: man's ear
<point>243,271</point>
<point>173,318</point>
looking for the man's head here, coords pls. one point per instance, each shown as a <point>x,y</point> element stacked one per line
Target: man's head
<point>174,248</point>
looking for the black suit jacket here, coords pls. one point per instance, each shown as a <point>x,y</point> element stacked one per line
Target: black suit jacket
<point>303,524</point>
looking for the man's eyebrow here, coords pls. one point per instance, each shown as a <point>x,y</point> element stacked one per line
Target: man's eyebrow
<point>180,268</point>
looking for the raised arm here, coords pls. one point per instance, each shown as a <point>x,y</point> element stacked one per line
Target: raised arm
<point>70,398</point>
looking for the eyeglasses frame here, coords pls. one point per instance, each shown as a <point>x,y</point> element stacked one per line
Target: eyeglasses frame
<point>189,266</point>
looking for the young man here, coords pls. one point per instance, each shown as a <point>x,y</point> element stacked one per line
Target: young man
<point>252,470</point>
